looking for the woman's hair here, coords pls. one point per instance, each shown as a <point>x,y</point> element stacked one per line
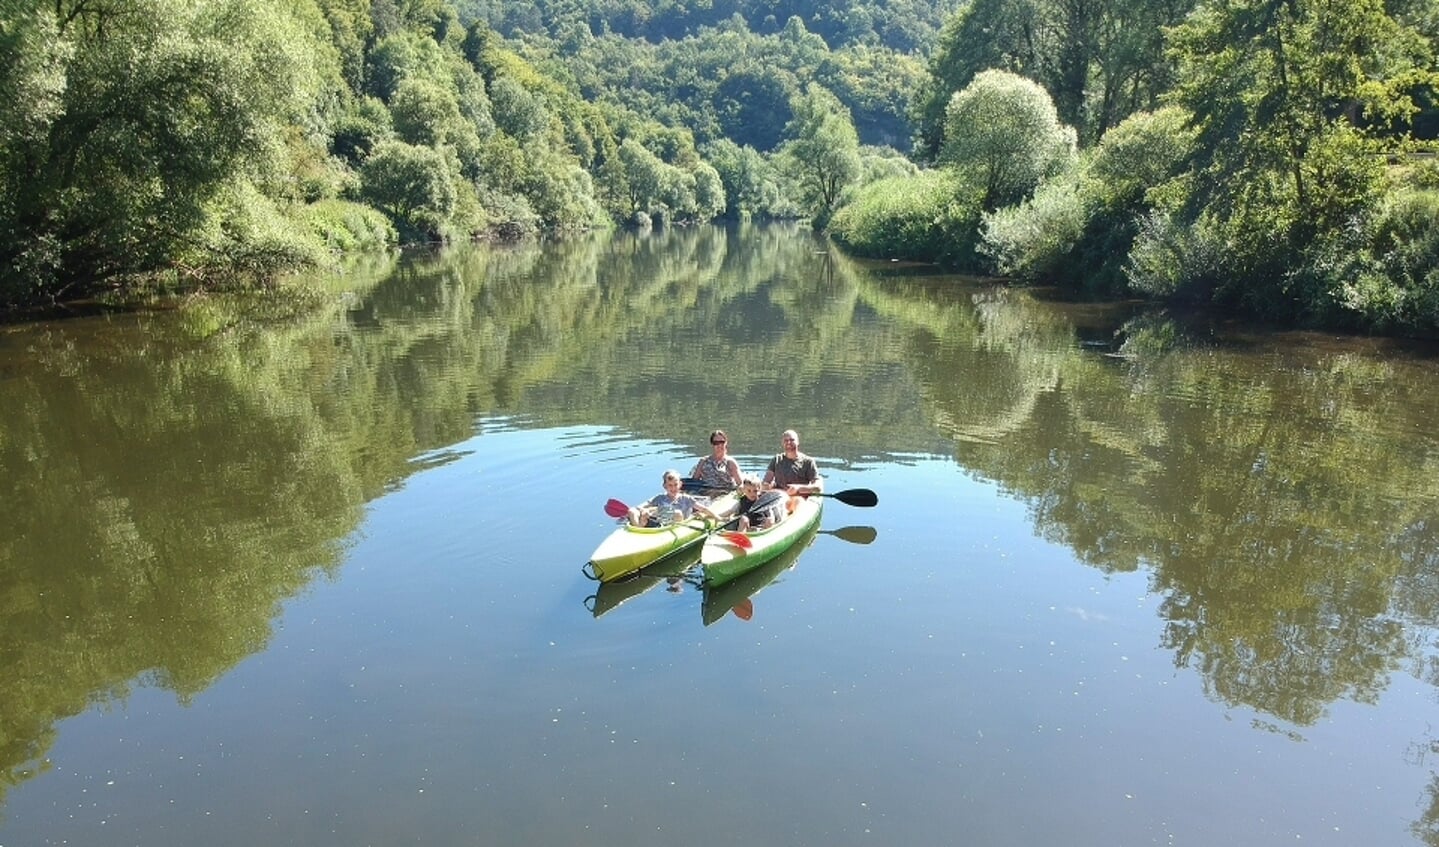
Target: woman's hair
<point>719,433</point>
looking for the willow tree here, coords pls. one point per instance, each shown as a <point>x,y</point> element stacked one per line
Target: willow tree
<point>139,126</point>
<point>1002,134</point>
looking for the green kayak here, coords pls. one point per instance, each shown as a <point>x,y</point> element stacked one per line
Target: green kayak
<point>737,594</point>
<point>723,560</point>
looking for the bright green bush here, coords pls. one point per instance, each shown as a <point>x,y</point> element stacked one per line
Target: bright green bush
<point>413,185</point>
<point>1400,288</point>
<point>1033,240</point>
<point>1002,132</point>
<point>346,227</point>
<point>933,216</point>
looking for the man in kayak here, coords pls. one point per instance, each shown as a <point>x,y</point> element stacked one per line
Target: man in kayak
<point>792,470</point>
<point>760,509</point>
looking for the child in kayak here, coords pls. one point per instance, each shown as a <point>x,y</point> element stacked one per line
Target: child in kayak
<point>760,509</point>
<point>670,506</point>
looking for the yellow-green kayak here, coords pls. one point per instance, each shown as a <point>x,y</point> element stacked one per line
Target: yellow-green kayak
<point>630,548</point>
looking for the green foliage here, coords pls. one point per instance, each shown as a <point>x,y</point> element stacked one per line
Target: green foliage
<point>347,227</point>
<point>1171,260</point>
<point>731,82</point>
<point>754,187</point>
<point>752,103</point>
<point>1400,291</point>
<point>1078,227</point>
<point>517,112</point>
<point>413,186</point>
<point>1003,135</point>
<point>906,26</point>
<point>358,130</point>
<point>822,155</point>
<point>1283,170</point>
<point>1035,239</point>
<point>932,217</point>
<point>144,111</point>
<point>1101,61</point>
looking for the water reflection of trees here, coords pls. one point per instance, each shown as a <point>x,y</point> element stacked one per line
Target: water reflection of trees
<point>170,484</point>
<point>1281,499</point>
<point>169,494</point>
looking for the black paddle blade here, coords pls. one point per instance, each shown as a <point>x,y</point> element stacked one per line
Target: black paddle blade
<point>690,485</point>
<point>855,497</point>
<point>853,534</point>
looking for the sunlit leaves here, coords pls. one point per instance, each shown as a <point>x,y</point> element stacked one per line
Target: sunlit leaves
<point>822,153</point>
<point>1002,134</point>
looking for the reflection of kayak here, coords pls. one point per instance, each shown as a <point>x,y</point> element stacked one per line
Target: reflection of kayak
<point>630,548</point>
<point>720,599</point>
<point>723,560</point>
<point>613,593</point>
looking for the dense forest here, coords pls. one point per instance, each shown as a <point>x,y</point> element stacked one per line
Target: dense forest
<point>1273,158</point>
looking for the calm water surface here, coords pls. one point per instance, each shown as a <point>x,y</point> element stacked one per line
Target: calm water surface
<point>319,583</point>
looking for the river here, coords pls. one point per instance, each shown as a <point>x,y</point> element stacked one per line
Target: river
<point>317,580</point>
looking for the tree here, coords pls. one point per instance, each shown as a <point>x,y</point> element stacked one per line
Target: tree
<point>138,114</point>
<point>413,186</point>
<point>1276,89</point>
<point>823,151</point>
<point>643,176</point>
<point>1100,60</point>
<point>753,104</point>
<point>1004,136</point>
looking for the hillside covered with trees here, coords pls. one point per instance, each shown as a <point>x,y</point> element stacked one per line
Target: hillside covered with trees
<point>1272,158</point>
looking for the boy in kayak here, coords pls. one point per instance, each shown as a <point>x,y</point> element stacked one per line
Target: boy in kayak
<point>668,507</point>
<point>760,509</point>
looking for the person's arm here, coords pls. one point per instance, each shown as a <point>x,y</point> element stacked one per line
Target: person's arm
<point>734,473</point>
<point>768,481</point>
<point>815,484</point>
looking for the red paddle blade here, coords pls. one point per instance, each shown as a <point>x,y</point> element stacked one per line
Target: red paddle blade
<point>616,509</point>
<point>738,539</point>
<point>744,609</point>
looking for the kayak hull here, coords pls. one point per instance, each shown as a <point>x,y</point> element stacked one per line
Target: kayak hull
<point>720,600</point>
<point>630,548</point>
<point>723,560</point>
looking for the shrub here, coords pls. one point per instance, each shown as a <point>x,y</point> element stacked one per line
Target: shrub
<point>933,217</point>
<point>345,227</point>
<point>1033,240</point>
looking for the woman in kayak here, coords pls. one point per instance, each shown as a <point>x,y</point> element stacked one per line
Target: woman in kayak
<point>718,471</point>
<point>760,509</point>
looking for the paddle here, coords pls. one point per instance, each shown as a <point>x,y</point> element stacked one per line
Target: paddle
<point>617,509</point>
<point>852,534</point>
<point>690,485</point>
<point>852,497</point>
